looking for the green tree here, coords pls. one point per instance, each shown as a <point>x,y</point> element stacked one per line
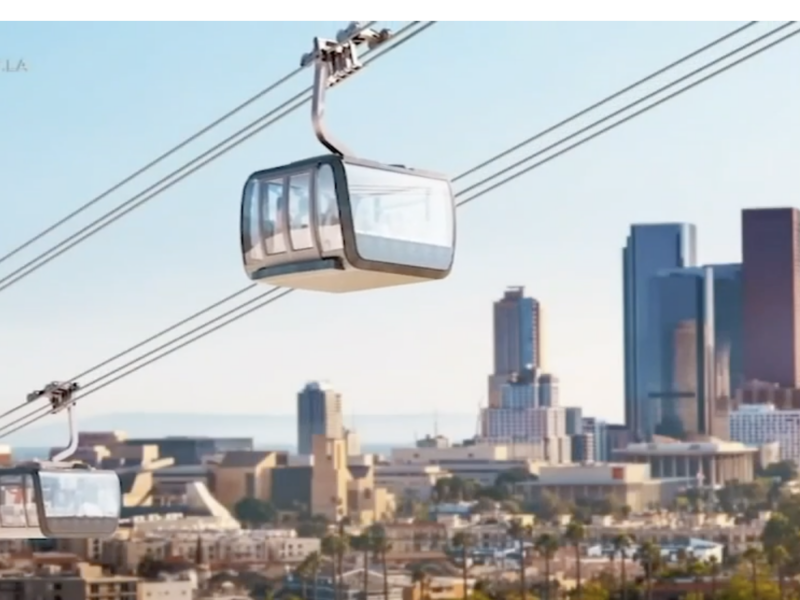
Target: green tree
<point>309,570</point>
<point>381,546</point>
<point>464,542</point>
<point>621,545</point>
<point>420,578</point>
<point>713,570</point>
<point>778,558</point>
<point>650,559</point>
<point>363,543</point>
<point>520,533</point>
<point>594,590</point>
<point>254,512</point>
<point>574,535</point>
<point>546,545</point>
<point>753,556</point>
<point>334,545</point>
<point>785,470</point>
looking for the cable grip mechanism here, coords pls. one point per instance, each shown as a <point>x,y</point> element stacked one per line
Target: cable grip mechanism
<point>334,61</point>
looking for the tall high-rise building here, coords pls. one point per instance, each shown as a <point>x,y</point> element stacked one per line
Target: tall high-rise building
<point>650,248</point>
<point>517,339</point>
<point>517,333</point>
<point>728,328</point>
<point>771,292</point>
<point>681,358</point>
<point>319,412</point>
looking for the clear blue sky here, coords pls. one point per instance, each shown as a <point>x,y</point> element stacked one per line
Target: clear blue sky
<point>100,100</point>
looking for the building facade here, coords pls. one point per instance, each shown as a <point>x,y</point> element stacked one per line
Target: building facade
<point>680,355</point>
<point>728,328</point>
<point>518,338</point>
<point>771,295</point>
<point>759,424</point>
<point>650,248</point>
<point>319,412</point>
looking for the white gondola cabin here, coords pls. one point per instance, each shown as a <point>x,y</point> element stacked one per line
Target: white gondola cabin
<point>339,224</point>
<point>38,500</point>
<point>335,223</point>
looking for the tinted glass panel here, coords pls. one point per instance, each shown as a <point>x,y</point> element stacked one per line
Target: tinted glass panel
<point>300,211</point>
<point>272,210</point>
<point>30,502</point>
<point>401,218</point>
<point>251,234</point>
<point>80,494</point>
<point>12,501</point>
<point>330,233</point>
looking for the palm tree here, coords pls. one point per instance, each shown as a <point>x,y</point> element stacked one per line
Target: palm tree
<point>420,578</point>
<point>621,544</point>
<point>309,569</point>
<point>752,555</point>
<point>464,541</point>
<point>779,557</point>
<point>328,548</point>
<point>380,546</point>
<point>650,558</point>
<point>335,546</point>
<point>546,545</point>
<point>363,543</point>
<point>520,532</point>
<point>713,568</point>
<point>574,535</point>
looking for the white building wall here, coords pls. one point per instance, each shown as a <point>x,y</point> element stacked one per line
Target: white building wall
<point>759,424</point>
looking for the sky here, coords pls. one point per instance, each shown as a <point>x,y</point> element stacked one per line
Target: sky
<point>100,100</point>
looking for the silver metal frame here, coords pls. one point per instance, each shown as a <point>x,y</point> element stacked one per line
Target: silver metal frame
<point>334,61</point>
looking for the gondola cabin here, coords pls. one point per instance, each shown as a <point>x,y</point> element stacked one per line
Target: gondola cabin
<point>339,224</point>
<point>41,502</point>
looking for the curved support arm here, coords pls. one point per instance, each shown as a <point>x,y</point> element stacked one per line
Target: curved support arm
<point>73,437</point>
<point>321,75</point>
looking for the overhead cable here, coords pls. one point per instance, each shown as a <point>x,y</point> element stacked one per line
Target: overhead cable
<point>270,296</point>
<point>297,101</point>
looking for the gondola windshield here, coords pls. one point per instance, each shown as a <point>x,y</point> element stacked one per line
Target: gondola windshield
<point>400,217</point>
<point>81,494</point>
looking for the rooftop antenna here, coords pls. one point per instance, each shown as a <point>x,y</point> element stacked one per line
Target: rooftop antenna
<point>436,423</point>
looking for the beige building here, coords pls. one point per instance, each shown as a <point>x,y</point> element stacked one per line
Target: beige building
<point>219,549</point>
<point>88,582</point>
<point>339,489</point>
<point>245,474</point>
<point>415,481</point>
<point>710,460</point>
<point>480,462</point>
<point>627,484</point>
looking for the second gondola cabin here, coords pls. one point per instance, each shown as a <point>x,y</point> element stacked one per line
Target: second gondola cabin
<point>339,224</point>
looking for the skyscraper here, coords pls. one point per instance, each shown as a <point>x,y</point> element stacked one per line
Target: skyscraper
<point>771,294</point>
<point>681,358</point>
<point>728,328</point>
<point>517,333</point>
<point>650,248</point>
<point>319,412</point>
<point>517,339</point>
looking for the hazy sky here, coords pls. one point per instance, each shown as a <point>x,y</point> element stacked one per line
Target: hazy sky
<point>100,100</point>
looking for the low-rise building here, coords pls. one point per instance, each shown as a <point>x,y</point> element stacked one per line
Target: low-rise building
<point>627,484</point>
<point>709,460</point>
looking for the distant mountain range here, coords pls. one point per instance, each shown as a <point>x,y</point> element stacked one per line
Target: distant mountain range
<point>266,430</point>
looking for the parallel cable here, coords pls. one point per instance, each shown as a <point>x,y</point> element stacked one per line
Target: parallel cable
<point>195,136</point>
<point>270,296</point>
<point>283,110</point>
